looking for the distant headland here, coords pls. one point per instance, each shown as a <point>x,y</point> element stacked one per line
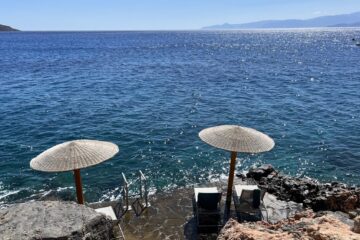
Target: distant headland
<point>343,20</point>
<point>4,28</point>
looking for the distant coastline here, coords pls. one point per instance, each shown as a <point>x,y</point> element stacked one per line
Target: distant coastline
<point>5,28</point>
<point>329,28</point>
<point>343,20</point>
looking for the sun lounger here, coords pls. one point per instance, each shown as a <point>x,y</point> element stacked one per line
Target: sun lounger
<point>248,201</point>
<point>109,212</point>
<point>207,209</point>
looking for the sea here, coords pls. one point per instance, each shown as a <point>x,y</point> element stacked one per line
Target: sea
<point>151,92</point>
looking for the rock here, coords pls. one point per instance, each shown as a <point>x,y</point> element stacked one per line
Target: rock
<point>352,214</point>
<point>234,230</point>
<point>341,216</point>
<point>333,196</point>
<point>306,225</point>
<point>307,202</point>
<point>53,220</point>
<point>240,175</point>
<point>356,228</point>
<point>351,202</point>
<point>338,199</point>
<point>303,214</point>
<point>277,210</point>
<point>262,171</point>
<point>330,228</point>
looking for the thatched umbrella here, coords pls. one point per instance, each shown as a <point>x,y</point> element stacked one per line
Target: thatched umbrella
<point>72,156</point>
<point>236,139</point>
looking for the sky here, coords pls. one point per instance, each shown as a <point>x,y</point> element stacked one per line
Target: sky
<point>42,15</point>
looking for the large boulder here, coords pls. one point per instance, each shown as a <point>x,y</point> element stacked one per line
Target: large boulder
<point>53,220</point>
<point>329,228</point>
<point>262,171</point>
<point>335,199</point>
<point>234,230</point>
<point>305,225</point>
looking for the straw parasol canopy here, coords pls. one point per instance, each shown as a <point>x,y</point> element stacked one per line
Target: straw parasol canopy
<point>74,155</point>
<point>236,139</point>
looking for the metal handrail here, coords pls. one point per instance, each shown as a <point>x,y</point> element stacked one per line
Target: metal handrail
<point>143,182</point>
<point>126,191</point>
<point>142,187</point>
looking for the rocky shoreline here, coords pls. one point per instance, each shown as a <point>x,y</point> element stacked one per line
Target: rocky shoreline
<point>311,193</point>
<point>313,211</point>
<point>332,209</point>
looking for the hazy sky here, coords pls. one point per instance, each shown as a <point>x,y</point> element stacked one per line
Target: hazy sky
<point>158,14</point>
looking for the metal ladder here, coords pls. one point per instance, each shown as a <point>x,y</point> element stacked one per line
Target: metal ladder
<point>137,200</point>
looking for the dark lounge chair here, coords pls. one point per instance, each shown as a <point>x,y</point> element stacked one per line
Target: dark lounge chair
<point>248,201</point>
<point>207,209</point>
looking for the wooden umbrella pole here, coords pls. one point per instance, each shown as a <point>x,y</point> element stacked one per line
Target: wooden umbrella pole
<point>230,183</point>
<point>79,192</point>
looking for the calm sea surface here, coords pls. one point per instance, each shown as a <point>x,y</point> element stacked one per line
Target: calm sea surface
<point>152,92</point>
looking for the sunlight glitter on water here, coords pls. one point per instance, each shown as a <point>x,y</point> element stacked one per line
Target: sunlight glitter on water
<point>151,93</point>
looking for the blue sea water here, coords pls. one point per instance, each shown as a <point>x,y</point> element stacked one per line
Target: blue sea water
<point>152,92</point>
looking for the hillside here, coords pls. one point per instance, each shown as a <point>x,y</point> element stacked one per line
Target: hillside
<point>343,20</point>
<point>4,28</point>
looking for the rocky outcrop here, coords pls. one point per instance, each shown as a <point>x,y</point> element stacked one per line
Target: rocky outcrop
<point>305,225</point>
<point>318,196</point>
<point>234,230</point>
<point>263,170</point>
<point>6,28</point>
<point>53,220</point>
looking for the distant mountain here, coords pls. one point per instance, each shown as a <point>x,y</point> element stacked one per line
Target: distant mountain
<point>356,24</point>
<point>4,28</point>
<point>343,20</point>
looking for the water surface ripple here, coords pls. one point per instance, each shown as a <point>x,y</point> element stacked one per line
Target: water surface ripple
<point>152,92</point>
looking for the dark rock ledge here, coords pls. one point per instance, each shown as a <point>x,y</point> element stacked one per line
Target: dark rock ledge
<point>313,194</point>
